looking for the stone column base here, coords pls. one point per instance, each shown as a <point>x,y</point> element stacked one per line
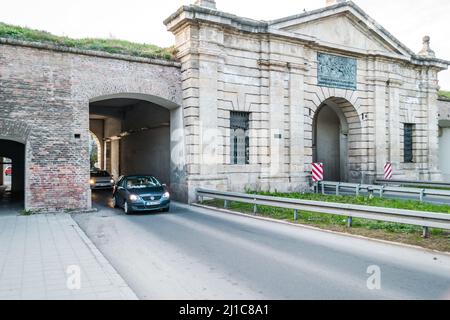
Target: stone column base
<point>215,182</point>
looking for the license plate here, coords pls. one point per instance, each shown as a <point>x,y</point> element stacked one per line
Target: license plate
<point>152,203</point>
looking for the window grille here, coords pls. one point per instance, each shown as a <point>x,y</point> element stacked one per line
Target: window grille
<point>240,142</point>
<point>408,142</point>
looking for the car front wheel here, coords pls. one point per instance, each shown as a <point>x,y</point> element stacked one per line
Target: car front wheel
<point>127,209</point>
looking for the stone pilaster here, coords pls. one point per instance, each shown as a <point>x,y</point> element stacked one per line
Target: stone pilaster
<point>297,123</point>
<point>379,110</point>
<point>104,164</point>
<point>431,87</point>
<point>208,76</point>
<point>394,124</point>
<point>202,61</point>
<point>277,71</point>
<point>115,157</point>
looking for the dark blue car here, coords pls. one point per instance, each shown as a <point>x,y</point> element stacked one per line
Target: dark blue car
<point>141,193</point>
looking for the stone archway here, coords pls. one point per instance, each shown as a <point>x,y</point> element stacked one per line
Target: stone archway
<point>14,130</point>
<point>13,145</point>
<point>336,134</point>
<point>142,134</point>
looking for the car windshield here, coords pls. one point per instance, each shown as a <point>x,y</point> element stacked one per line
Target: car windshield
<point>142,182</point>
<point>100,174</point>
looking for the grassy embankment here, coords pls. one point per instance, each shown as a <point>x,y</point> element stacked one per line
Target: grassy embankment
<point>444,94</point>
<point>439,240</point>
<point>114,46</point>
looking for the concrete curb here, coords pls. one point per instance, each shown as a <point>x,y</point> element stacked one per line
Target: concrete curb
<point>93,210</point>
<point>319,229</point>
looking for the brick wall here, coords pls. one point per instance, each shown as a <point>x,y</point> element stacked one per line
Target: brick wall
<point>46,92</point>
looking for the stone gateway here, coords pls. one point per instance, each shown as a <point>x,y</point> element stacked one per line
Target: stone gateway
<point>248,104</point>
<point>329,86</point>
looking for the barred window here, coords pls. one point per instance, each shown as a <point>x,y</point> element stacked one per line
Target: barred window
<point>408,142</point>
<point>240,142</point>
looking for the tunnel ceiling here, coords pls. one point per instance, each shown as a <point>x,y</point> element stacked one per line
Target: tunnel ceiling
<point>10,149</point>
<point>116,103</point>
<point>116,108</point>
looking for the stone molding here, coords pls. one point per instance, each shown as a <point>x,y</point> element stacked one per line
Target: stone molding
<point>395,82</point>
<point>299,68</point>
<point>273,65</point>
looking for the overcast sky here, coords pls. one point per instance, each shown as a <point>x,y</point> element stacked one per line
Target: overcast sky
<point>141,20</point>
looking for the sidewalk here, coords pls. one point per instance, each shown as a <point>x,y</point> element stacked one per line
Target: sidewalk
<point>40,256</point>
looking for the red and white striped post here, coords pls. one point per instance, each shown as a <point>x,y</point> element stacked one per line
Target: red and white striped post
<point>317,174</point>
<point>388,171</point>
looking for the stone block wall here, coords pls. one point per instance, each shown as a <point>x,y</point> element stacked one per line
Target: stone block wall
<point>231,63</point>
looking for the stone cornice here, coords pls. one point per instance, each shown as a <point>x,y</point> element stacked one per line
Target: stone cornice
<point>297,66</point>
<point>92,53</point>
<point>206,53</point>
<point>273,65</point>
<point>378,79</point>
<point>395,82</point>
<point>199,14</point>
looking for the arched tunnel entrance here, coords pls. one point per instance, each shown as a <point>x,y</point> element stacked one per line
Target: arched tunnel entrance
<point>329,150</point>
<point>336,134</point>
<point>133,138</point>
<point>12,176</point>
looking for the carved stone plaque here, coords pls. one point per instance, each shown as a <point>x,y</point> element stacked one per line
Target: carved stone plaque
<point>336,71</point>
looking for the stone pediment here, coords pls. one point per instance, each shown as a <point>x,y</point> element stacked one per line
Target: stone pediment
<point>343,26</point>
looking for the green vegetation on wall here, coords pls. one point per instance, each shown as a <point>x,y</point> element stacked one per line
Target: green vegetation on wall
<point>106,45</point>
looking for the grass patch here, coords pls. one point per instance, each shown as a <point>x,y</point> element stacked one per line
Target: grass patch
<point>365,201</point>
<point>444,94</point>
<point>27,212</point>
<point>440,239</point>
<point>106,45</point>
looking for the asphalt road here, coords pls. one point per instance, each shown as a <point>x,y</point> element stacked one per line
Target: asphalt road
<point>194,253</point>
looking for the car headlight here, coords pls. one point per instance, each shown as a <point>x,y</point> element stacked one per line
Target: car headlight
<point>166,195</point>
<point>92,181</point>
<point>134,197</point>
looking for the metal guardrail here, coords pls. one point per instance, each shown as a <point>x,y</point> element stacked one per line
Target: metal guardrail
<point>382,190</point>
<point>417,218</point>
<point>413,183</point>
